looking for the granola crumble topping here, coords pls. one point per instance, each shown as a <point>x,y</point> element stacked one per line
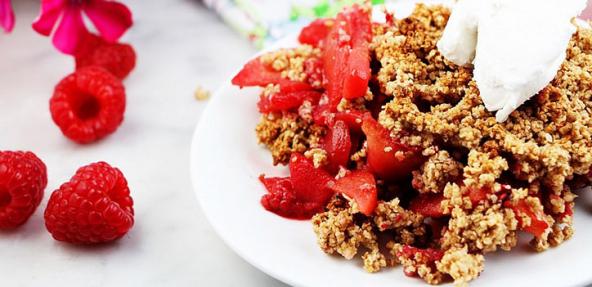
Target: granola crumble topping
<point>532,161</point>
<point>290,62</point>
<point>286,133</point>
<point>461,265</point>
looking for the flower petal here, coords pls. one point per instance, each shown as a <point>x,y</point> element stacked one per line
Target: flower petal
<point>587,13</point>
<point>50,12</point>
<point>71,31</point>
<point>6,16</point>
<point>111,18</point>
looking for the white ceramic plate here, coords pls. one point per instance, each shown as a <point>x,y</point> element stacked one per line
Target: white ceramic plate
<point>226,161</point>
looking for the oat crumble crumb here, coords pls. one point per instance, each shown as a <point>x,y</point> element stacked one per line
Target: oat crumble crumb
<point>318,156</point>
<point>461,265</point>
<point>201,94</point>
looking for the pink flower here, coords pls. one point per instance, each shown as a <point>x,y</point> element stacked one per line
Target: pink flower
<point>6,16</point>
<point>110,18</point>
<point>587,13</point>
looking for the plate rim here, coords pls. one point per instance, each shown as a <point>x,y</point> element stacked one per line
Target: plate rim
<point>193,167</point>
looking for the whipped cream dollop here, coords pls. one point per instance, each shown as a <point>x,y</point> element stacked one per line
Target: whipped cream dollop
<point>516,46</point>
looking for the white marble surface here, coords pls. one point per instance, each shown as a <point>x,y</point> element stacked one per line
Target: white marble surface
<point>179,45</point>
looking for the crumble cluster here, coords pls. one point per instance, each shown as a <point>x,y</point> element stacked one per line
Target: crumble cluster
<point>541,147</point>
<point>286,133</point>
<point>542,152</point>
<point>291,63</point>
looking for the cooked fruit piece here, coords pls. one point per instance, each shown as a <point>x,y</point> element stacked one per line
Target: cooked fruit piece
<point>255,73</point>
<point>477,195</point>
<point>428,205</point>
<point>281,199</point>
<point>358,63</point>
<point>334,66</point>
<point>352,118</point>
<point>430,253</point>
<point>303,194</point>
<point>283,101</point>
<point>315,33</point>
<point>537,225</point>
<point>309,182</point>
<point>322,115</point>
<point>338,145</point>
<point>412,256</point>
<point>387,157</point>
<point>346,56</point>
<point>361,187</point>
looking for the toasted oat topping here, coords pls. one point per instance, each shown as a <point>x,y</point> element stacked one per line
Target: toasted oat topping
<point>318,156</point>
<point>290,62</point>
<point>337,232</point>
<point>482,230</point>
<point>436,172</point>
<point>547,139</point>
<point>461,265</point>
<point>543,152</point>
<point>286,133</point>
<point>418,265</point>
<point>390,215</point>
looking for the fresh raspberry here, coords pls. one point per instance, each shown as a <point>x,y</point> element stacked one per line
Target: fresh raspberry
<point>88,104</point>
<point>93,207</point>
<point>23,178</point>
<point>117,58</point>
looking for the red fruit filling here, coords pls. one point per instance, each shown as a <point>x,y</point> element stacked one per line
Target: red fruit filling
<point>256,73</point>
<point>537,225</point>
<point>361,187</point>
<point>303,194</point>
<point>387,157</point>
<point>315,33</point>
<point>346,56</point>
<point>427,256</point>
<point>338,145</point>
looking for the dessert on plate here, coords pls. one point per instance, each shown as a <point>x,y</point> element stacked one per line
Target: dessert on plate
<point>407,144</point>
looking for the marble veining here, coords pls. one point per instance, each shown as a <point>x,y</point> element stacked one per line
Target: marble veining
<point>180,45</point>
